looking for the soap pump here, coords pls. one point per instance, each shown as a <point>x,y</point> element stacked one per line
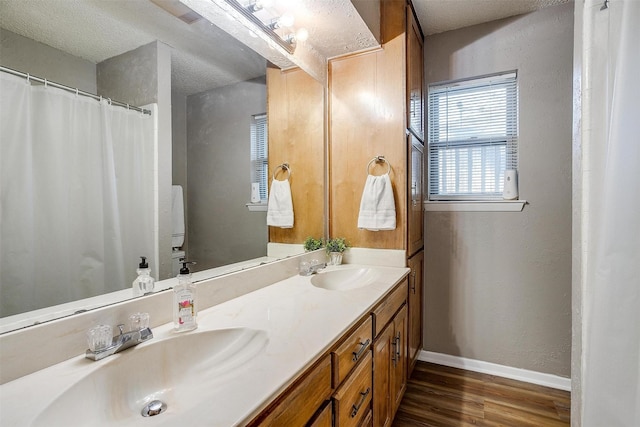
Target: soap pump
<point>185,309</point>
<point>144,283</point>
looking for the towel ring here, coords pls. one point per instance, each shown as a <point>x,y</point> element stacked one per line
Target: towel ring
<point>379,159</point>
<point>284,166</point>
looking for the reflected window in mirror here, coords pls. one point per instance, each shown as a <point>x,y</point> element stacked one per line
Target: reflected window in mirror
<point>259,157</point>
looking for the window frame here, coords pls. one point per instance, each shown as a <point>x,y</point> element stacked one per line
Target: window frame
<point>473,140</point>
<point>259,155</point>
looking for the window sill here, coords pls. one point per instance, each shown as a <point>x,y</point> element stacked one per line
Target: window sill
<point>479,206</point>
<point>257,207</point>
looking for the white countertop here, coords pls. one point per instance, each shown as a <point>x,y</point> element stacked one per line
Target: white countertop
<point>301,321</point>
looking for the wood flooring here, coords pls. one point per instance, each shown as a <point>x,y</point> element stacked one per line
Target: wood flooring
<point>441,396</point>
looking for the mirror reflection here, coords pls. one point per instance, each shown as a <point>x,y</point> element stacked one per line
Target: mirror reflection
<point>213,100</point>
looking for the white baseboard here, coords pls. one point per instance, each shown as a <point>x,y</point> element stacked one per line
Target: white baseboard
<point>533,377</point>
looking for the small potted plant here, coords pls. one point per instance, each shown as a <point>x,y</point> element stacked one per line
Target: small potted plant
<point>312,244</point>
<point>335,248</point>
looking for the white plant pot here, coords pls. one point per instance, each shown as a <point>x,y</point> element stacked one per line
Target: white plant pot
<point>335,258</point>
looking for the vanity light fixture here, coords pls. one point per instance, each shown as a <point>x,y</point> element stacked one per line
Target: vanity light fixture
<point>285,21</point>
<point>258,5</point>
<point>268,29</point>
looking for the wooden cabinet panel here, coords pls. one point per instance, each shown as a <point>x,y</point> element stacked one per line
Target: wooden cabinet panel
<point>384,312</point>
<point>297,405</point>
<point>399,360</point>
<point>367,119</point>
<point>367,421</point>
<point>352,400</point>
<point>351,351</point>
<point>295,114</point>
<point>324,418</point>
<point>390,369</point>
<point>415,304</point>
<point>415,76</point>
<point>382,353</point>
<point>415,209</point>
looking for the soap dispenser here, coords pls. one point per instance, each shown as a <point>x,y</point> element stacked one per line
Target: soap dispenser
<point>144,283</point>
<point>185,309</point>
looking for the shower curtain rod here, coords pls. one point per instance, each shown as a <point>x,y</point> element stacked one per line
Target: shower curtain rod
<point>77,91</point>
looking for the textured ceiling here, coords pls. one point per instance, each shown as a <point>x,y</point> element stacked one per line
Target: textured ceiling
<point>436,16</point>
<point>204,56</point>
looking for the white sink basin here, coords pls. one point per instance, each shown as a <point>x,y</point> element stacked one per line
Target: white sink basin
<point>177,371</point>
<point>345,279</point>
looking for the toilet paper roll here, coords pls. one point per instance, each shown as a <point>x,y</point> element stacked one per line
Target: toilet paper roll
<point>510,191</point>
<point>255,192</point>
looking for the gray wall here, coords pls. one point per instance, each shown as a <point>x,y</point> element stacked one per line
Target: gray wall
<point>29,56</point>
<point>498,285</point>
<point>140,77</point>
<point>179,151</point>
<point>221,228</point>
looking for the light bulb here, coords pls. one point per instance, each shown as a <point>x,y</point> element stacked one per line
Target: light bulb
<point>302,34</point>
<point>285,20</point>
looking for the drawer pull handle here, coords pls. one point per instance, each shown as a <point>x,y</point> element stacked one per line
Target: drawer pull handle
<point>356,408</point>
<point>398,346</point>
<point>357,355</point>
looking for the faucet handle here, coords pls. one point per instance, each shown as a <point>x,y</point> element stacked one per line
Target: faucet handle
<point>139,321</point>
<point>99,337</point>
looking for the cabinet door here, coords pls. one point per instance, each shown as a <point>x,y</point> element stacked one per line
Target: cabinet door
<point>415,67</point>
<point>415,175</point>
<point>383,350</point>
<point>399,359</point>
<point>414,329</point>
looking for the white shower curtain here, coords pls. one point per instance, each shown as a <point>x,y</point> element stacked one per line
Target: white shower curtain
<point>77,195</point>
<point>611,290</point>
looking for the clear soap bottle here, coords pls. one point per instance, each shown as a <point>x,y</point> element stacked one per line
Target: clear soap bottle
<point>185,309</point>
<point>144,283</point>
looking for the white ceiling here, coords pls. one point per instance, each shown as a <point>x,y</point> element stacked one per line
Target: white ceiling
<point>204,56</point>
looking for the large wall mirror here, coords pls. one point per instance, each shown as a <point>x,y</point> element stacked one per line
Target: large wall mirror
<point>218,92</point>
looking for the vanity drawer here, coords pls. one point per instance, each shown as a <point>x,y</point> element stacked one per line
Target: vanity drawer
<point>298,404</point>
<point>352,401</point>
<point>383,313</point>
<point>351,351</point>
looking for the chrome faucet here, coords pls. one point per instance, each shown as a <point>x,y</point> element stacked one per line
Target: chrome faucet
<point>120,342</point>
<point>314,268</point>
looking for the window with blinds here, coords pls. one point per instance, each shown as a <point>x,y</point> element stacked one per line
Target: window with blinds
<point>259,154</point>
<point>473,137</point>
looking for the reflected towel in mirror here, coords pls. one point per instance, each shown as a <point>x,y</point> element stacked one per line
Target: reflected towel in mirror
<point>280,206</point>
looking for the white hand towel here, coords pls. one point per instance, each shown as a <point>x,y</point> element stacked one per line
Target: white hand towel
<point>377,206</point>
<point>177,216</point>
<point>280,206</point>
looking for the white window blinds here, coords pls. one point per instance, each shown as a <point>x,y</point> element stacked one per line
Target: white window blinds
<point>259,154</point>
<point>473,137</point>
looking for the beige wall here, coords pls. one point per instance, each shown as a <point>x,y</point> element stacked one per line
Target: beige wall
<point>498,285</point>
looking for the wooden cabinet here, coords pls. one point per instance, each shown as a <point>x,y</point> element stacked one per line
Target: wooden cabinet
<point>297,406</point>
<point>390,356</point>
<point>415,75</point>
<point>359,381</point>
<point>324,417</point>
<point>415,209</point>
<point>390,374</point>
<point>414,305</point>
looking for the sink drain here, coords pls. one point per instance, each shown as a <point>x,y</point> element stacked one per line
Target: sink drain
<point>155,407</point>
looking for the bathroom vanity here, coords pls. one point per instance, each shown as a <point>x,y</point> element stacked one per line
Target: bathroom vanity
<point>301,349</point>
